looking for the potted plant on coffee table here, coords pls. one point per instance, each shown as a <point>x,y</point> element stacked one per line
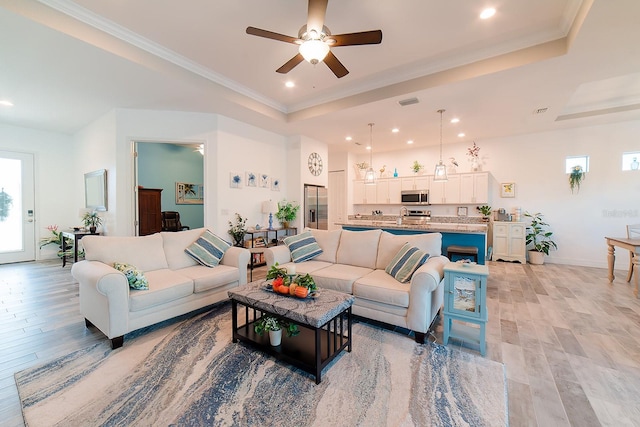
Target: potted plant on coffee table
<point>275,326</point>
<point>287,212</point>
<point>539,237</point>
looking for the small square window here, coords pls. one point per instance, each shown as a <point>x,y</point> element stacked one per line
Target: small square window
<point>573,161</point>
<point>631,161</point>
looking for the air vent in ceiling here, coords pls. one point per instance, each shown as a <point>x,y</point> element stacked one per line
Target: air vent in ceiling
<point>540,110</point>
<point>409,101</point>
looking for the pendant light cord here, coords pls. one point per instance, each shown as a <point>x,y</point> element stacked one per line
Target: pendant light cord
<point>440,111</point>
<point>371,145</point>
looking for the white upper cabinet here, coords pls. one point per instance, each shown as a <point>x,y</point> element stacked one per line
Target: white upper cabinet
<point>444,192</point>
<point>420,182</point>
<point>474,187</point>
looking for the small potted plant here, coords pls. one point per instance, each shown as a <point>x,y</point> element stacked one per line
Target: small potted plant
<point>91,221</point>
<point>539,237</point>
<point>576,177</point>
<point>287,212</point>
<point>416,167</point>
<point>275,326</point>
<point>238,229</point>
<point>485,211</point>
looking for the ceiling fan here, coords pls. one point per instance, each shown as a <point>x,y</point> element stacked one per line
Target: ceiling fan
<point>315,40</point>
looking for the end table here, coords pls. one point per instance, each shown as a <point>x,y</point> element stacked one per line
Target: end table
<point>465,300</point>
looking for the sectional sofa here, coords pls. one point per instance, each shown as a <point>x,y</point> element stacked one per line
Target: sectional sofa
<point>177,283</point>
<point>354,262</point>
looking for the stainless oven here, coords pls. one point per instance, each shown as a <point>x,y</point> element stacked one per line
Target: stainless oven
<point>415,197</point>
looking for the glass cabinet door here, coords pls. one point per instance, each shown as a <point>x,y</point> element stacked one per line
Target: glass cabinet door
<point>464,295</point>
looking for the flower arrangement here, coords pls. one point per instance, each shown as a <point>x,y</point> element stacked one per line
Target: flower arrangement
<point>238,229</point>
<point>473,152</point>
<point>287,211</point>
<point>362,165</point>
<point>576,177</point>
<point>56,238</point>
<point>416,167</point>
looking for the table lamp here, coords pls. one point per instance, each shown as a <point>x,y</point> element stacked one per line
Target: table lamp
<point>268,207</point>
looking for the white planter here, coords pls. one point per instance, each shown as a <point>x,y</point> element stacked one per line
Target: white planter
<point>536,258</point>
<point>275,337</point>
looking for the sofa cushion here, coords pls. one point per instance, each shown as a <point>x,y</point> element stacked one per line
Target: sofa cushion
<point>307,267</point>
<point>134,276</point>
<point>381,287</point>
<point>328,241</point>
<point>406,262</point>
<point>164,286</point>
<point>339,277</point>
<point>208,249</point>
<point>358,248</point>
<point>390,244</point>
<point>303,247</point>
<point>145,252</point>
<point>174,245</point>
<point>205,278</point>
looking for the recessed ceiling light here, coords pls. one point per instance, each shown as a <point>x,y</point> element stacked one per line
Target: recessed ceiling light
<point>455,120</point>
<point>6,103</point>
<point>461,135</point>
<point>487,13</point>
<point>368,147</point>
<point>348,138</point>
<point>289,84</point>
<point>410,141</point>
<point>395,130</point>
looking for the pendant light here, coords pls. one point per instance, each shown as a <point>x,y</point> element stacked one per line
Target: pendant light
<point>440,173</point>
<point>370,175</point>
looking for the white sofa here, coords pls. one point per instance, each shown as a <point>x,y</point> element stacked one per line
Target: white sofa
<point>177,283</point>
<point>354,262</point>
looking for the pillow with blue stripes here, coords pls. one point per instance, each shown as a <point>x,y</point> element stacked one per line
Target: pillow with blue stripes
<point>208,250</point>
<point>406,262</point>
<point>303,246</point>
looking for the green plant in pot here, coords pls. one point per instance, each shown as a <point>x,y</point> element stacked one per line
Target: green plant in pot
<point>91,221</point>
<point>539,238</point>
<point>485,210</point>
<point>275,326</point>
<point>238,229</point>
<point>287,212</point>
<point>576,177</point>
<point>416,167</point>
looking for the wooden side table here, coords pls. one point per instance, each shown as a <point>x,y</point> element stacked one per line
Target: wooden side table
<point>465,300</point>
<point>75,236</point>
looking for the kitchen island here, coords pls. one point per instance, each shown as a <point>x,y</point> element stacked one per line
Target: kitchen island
<point>461,234</point>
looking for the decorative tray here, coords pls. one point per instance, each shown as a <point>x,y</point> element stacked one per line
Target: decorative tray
<point>269,288</point>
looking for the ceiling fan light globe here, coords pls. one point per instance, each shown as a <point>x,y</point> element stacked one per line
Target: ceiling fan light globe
<point>314,51</point>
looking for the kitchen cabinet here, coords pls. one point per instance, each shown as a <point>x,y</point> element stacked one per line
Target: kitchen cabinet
<point>388,191</point>
<point>444,192</point>
<point>363,194</point>
<point>509,241</point>
<point>419,182</point>
<point>474,188</point>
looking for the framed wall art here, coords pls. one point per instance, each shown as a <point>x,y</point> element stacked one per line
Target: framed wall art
<point>264,180</point>
<point>462,211</point>
<point>251,179</point>
<point>508,189</point>
<point>235,180</point>
<point>189,194</point>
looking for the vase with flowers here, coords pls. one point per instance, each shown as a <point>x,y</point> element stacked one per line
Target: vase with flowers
<point>474,157</point>
<point>238,229</point>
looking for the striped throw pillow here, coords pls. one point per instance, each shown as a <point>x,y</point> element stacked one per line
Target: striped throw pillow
<point>406,262</point>
<point>208,250</point>
<point>303,246</point>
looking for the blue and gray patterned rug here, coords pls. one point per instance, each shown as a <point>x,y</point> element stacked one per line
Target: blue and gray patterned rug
<point>190,374</point>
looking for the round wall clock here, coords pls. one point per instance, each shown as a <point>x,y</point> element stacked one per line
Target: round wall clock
<point>315,164</point>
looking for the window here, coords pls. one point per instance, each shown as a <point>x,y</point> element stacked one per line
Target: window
<point>631,161</point>
<point>573,161</point>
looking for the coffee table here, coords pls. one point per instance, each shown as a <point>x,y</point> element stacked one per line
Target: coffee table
<point>324,323</point>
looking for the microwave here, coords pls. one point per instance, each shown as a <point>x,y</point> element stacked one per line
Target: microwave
<point>415,197</point>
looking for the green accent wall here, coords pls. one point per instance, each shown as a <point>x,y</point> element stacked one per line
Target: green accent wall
<point>161,165</point>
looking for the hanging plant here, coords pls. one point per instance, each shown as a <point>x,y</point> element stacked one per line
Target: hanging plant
<point>575,178</point>
<point>5,203</point>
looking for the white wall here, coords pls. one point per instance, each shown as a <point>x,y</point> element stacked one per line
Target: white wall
<point>607,201</point>
<point>56,180</point>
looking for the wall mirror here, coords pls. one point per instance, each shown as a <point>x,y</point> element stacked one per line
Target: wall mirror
<point>95,190</point>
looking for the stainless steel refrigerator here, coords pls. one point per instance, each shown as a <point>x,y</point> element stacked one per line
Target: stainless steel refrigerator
<point>316,214</point>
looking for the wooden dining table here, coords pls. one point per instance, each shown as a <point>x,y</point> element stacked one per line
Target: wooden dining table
<point>632,245</point>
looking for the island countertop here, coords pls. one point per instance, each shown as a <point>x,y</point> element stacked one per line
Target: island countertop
<point>432,227</point>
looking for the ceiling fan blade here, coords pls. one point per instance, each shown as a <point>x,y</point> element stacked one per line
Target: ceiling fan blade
<point>290,64</point>
<point>352,39</point>
<point>316,13</point>
<point>335,65</point>
<point>271,35</point>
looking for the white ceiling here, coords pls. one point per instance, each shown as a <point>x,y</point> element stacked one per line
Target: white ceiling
<point>65,63</point>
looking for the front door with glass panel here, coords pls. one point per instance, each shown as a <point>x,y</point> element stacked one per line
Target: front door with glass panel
<point>17,217</point>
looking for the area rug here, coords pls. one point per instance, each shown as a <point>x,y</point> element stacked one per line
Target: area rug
<point>189,373</point>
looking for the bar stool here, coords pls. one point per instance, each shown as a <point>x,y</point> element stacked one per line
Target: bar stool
<point>462,252</point>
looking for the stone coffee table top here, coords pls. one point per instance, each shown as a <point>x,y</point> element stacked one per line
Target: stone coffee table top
<point>314,312</point>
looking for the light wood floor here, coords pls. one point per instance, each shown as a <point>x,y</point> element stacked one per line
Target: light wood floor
<point>570,340</point>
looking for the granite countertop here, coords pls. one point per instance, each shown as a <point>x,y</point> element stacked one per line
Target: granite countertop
<point>449,227</point>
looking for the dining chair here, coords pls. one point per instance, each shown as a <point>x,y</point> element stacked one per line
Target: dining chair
<point>633,232</point>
